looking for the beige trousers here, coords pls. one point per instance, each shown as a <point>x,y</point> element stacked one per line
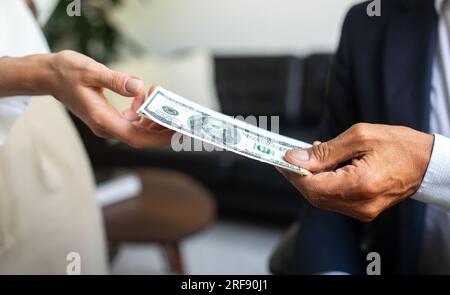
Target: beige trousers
<point>47,197</point>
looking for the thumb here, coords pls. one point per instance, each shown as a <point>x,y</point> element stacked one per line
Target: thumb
<point>121,83</point>
<point>325,155</point>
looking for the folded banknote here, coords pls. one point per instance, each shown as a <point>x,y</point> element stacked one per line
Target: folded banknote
<point>225,132</point>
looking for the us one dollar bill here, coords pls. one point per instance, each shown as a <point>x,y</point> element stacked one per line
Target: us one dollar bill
<point>196,121</point>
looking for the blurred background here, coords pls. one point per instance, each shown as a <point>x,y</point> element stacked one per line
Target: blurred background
<point>204,212</point>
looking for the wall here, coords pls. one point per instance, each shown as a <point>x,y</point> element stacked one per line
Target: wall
<point>234,26</point>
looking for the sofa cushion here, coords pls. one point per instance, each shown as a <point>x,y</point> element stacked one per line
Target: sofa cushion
<point>253,85</point>
<point>316,74</point>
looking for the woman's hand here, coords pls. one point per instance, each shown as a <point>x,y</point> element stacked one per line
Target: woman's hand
<point>78,82</point>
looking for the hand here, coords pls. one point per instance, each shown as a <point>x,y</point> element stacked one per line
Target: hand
<point>387,165</point>
<point>79,82</point>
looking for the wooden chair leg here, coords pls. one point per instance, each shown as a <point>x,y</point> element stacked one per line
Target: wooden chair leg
<point>113,249</point>
<point>173,255</point>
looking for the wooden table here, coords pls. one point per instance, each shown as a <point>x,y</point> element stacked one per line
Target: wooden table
<point>172,206</point>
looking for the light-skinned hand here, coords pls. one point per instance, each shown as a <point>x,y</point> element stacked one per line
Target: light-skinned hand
<point>79,82</point>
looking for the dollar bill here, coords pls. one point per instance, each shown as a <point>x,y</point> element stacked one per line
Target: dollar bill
<point>199,122</point>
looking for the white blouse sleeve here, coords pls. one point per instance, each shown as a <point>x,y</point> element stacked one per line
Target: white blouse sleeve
<point>11,109</point>
<point>44,9</point>
<point>20,35</point>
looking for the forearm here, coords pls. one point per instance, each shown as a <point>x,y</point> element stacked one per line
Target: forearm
<point>30,75</point>
<point>435,188</point>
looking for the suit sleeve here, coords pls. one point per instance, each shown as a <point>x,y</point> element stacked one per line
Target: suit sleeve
<point>341,112</point>
<point>435,188</point>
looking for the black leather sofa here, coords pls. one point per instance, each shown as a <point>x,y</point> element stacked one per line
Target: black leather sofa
<point>292,88</point>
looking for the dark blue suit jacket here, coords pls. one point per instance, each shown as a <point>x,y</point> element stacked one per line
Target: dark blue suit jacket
<point>383,75</point>
<point>383,66</point>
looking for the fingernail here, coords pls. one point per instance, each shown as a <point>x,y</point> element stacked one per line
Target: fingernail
<point>300,155</point>
<point>133,85</point>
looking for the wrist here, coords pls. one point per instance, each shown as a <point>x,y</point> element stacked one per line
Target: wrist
<point>423,150</point>
<point>47,78</point>
<point>30,75</point>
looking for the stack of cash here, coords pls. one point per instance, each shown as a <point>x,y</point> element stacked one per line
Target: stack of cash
<point>225,132</point>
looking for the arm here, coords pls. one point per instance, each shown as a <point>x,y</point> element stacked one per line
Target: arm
<point>78,82</point>
<point>31,75</point>
<point>341,112</point>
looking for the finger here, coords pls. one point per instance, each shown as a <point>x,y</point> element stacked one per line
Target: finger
<point>325,202</point>
<point>118,82</point>
<point>131,116</point>
<point>357,209</point>
<point>152,125</point>
<point>147,123</point>
<point>339,195</point>
<point>323,156</point>
<point>133,134</point>
<point>103,134</point>
<point>342,184</point>
<point>138,101</point>
<point>152,88</point>
<point>104,117</point>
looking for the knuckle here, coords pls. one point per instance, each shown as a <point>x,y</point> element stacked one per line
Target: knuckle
<point>368,214</point>
<point>84,66</point>
<point>321,152</point>
<point>361,131</point>
<point>68,56</point>
<point>314,201</point>
<point>116,81</point>
<point>134,143</point>
<point>66,53</point>
<point>370,184</point>
<point>102,135</point>
<point>97,121</point>
<point>91,70</point>
<point>370,188</point>
<point>98,132</point>
<point>364,219</point>
<point>312,198</point>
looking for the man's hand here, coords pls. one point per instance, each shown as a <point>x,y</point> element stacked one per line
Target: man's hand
<point>79,81</point>
<point>384,165</point>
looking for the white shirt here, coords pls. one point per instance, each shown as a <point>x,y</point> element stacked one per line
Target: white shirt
<point>44,213</point>
<point>19,40</point>
<point>435,188</point>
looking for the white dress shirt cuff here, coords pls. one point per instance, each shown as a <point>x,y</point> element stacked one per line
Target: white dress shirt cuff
<point>435,188</point>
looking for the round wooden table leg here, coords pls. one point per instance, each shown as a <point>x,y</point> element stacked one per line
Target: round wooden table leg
<point>173,253</point>
<point>113,249</point>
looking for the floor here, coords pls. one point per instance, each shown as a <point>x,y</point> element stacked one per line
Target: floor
<point>224,248</point>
